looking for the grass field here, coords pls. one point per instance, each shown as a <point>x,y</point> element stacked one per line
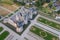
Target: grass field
<point>45,35</point>
<point>1,29</point>
<point>50,23</point>
<point>4,35</point>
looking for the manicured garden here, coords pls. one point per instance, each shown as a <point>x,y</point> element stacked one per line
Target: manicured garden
<point>50,23</point>
<point>45,35</point>
<point>4,35</point>
<point>1,29</point>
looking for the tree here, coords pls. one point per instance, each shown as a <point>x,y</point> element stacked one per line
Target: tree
<point>50,4</point>
<point>0,1</point>
<point>58,12</point>
<point>40,3</point>
<point>48,1</point>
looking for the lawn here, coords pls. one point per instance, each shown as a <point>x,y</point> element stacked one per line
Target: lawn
<point>45,35</point>
<point>50,23</point>
<point>1,29</point>
<point>4,35</point>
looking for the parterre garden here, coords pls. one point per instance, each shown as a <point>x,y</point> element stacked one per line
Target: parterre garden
<point>45,35</point>
<point>49,23</point>
<point>4,34</point>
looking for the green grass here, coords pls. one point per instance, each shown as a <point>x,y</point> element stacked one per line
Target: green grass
<point>50,23</point>
<point>4,35</point>
<point>45,35</point>
<point>1,29</point>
